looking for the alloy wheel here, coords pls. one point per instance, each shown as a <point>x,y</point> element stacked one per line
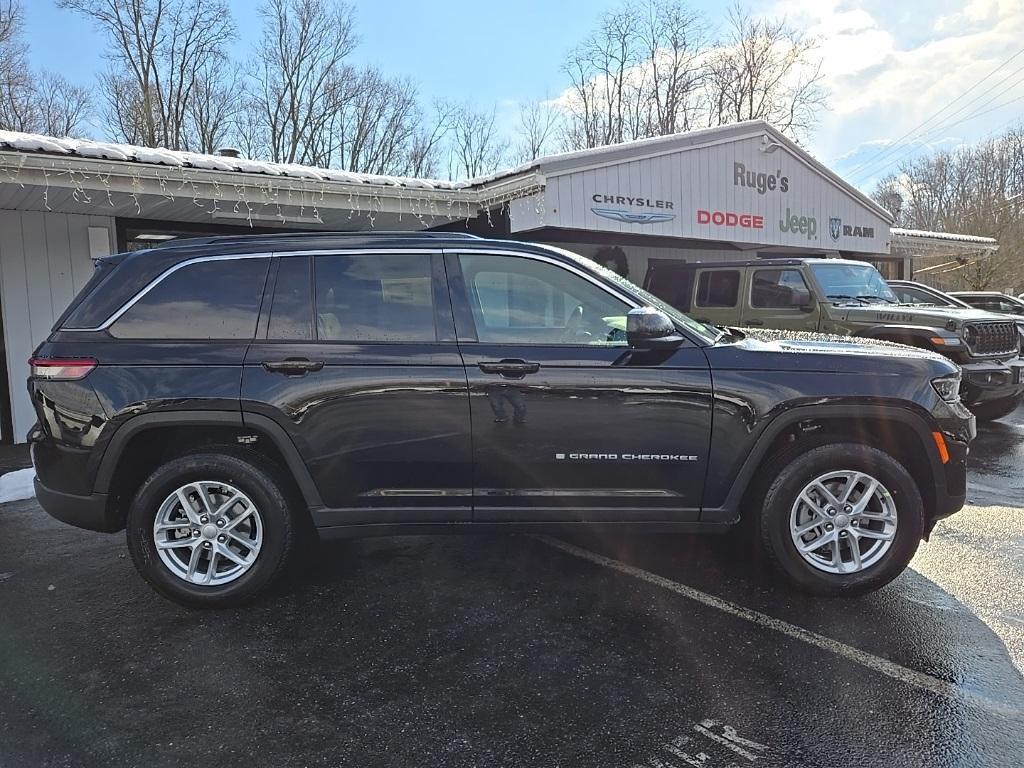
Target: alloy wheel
<point>843,522</point>
<point>208,533</point>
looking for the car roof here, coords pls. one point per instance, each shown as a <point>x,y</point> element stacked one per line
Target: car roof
<point>980,294</point>
<point>182,249</point>
<point>771,262</point>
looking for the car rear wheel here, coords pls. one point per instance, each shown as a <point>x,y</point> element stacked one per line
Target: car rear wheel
<point>841,519</point>
<point>210,529</point>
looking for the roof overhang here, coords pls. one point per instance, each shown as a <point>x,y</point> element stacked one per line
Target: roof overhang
<point>924,243</point>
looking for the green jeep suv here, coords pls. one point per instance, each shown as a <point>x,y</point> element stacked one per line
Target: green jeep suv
<point>848,298</point>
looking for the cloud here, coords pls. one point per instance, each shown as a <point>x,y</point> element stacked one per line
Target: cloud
<point>892,67</point>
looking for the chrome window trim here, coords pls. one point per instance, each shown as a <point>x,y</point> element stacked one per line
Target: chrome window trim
<point>556,262</point>
<point>237,256</point>
<point>159,278</point>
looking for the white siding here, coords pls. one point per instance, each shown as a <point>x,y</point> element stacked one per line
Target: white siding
<point>702,179</point>
<point>44,261</point>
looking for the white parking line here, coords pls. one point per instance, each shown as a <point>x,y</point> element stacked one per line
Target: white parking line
<point>877,663</point>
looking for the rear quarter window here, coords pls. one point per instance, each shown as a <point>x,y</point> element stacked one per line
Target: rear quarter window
<point>719,288</point>
<point>206,300</point>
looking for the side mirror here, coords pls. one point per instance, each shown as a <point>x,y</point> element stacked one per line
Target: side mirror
<point>800,298</point>
<point>650,328</point>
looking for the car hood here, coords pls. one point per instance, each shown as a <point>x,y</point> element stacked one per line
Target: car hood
<point>805,342</point>
<point>768,349</point>
<point>904,314</point>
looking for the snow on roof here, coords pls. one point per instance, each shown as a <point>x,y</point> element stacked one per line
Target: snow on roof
<point>101,150</point>
<point>951,236</point>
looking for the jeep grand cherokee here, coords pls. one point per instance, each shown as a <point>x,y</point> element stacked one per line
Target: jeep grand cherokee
<point>216,396</point>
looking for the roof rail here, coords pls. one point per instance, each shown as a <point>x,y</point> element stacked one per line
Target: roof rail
<point>202,240</point>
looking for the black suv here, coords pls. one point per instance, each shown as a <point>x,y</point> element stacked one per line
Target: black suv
<point>218,396</point>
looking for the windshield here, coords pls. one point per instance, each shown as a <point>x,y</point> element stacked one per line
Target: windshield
<point>708,333</point>
<point>852,281</point>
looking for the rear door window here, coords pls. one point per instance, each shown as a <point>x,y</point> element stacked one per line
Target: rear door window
<point>206,300</point>
<point>718,288</point>
<point>374,298</point>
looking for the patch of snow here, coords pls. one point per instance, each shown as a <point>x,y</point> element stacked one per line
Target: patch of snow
<point>255,166</point>
<point>334,174</point>
<point>100,150</point>
<point>157,156</point>
<point>31,142</point>
<point>301,171</point>
<point>209,162</point>
<point>17,485</point>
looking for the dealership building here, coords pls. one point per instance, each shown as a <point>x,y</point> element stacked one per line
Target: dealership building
<point>736,192</point>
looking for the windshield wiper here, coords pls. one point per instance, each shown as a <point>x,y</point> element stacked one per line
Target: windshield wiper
<point>864,296</point>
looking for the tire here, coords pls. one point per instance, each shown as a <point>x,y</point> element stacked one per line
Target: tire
<point>896,497</point>
<point>268,528</point>
<point>995,409</point>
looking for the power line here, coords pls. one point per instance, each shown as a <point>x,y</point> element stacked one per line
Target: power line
<point>866,169</point>
<point>974,115</point>
<point>920,125</point>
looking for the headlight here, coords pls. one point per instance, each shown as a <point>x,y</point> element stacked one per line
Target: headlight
<point>948,387</point>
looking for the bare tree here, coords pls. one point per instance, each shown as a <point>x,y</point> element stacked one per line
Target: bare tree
<point>13,51</point>
<point>476,147</point>
<point>41,102</point>
<point>538,121</point>
<point>381,119</point>
<point>248,130</point>
<point>158,52</point>
<point>215,104</point>
<point>976,190</point>
<point>423,159</point>
<point>600,91</point>
<point>61,106</point>
<point>765,69</point>
<point>673,38</point>
<point>300,58</point>
<point>649,69</point>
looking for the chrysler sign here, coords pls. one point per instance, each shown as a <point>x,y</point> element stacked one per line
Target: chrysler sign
<point>632,217</point>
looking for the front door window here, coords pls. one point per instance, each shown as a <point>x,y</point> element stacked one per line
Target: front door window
<point>524,301</point>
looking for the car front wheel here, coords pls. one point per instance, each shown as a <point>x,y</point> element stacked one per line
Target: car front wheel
<point>210,529</point>
<point>842,519</point>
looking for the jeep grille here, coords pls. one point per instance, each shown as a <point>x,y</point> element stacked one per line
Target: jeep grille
<point>998,338</point>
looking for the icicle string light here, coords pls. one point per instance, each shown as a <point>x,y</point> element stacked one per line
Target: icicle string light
<point>132,185</point>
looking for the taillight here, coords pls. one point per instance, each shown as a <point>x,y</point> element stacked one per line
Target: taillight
<point>61,369</point>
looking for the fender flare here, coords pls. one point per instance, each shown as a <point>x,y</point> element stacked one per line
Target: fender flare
<point>150,421</point>
<point>918,422</point>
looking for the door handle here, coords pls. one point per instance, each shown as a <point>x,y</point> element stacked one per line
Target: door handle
<point>293,366</point>
<point>512,369</point>
<point>754,322</point>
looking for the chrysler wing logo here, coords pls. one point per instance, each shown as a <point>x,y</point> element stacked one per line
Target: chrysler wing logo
<point>835,227</point>
<point>629,217</point>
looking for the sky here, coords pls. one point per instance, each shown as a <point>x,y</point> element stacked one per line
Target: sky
<point>889,65</point>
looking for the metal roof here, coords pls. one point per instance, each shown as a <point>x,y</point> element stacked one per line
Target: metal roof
<point>952,237</point>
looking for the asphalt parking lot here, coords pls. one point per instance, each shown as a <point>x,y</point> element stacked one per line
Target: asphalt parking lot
<point>523,651</point>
